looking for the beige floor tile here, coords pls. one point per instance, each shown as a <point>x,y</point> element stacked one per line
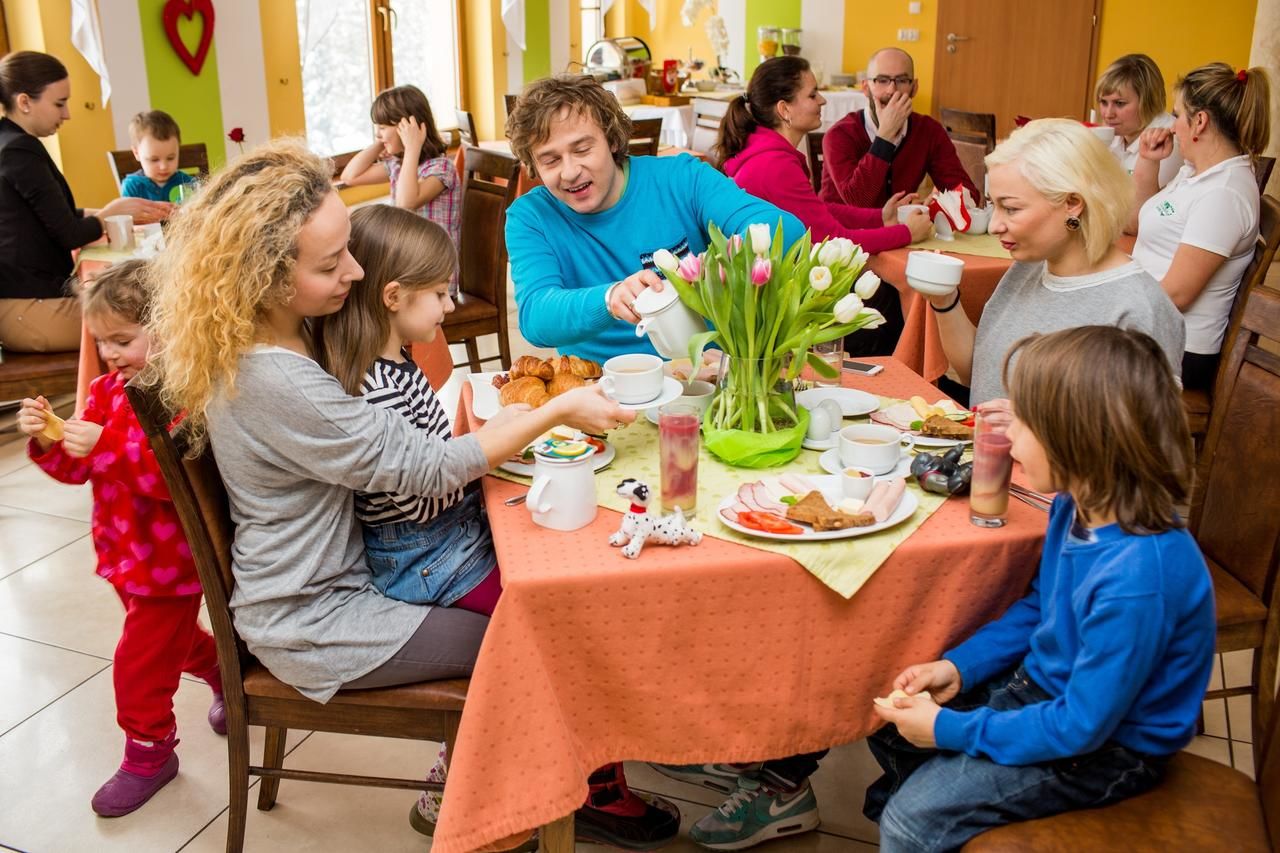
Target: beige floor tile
<point>55,761</point>
<point>315,817</point>
<point>30,536</point>
<point>32,675</point>
<point>13,452</point>
<point>59,600</point>
<point>1215,717</point>
<point>1215,676</point>
<point>1213,748</point>
<point>1240,708</point>
<point>31,489</point>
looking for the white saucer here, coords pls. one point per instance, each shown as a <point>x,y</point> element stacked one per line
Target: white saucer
<point>819,444</point>
<point>853,403</point>
<point>830,462</point>
<point>671,389</point>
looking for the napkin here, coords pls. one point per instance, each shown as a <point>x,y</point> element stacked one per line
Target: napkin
<point>955,211</point>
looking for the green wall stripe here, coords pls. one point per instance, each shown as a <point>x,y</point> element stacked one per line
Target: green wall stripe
<point>537,39</point>
<point>194,102</point>
<point>772,13</point>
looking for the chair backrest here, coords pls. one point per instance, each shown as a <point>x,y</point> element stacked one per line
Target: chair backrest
<point>1264,253</point>
<point>482,250</point>
<point>973,156</point>
<point>510,102</point>
<point>466,127</point>
<point>645,134</point>
<point>706,127</point>
<point>200,500</point>
<point>982,125</point>
<point>1262,171</point>
<point>193,156</point>
<point>815,158</point>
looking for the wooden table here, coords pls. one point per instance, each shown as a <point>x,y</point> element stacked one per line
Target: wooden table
<point>716,653</point>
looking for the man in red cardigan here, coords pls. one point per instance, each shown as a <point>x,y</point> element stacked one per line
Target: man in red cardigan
<point>871,154</point>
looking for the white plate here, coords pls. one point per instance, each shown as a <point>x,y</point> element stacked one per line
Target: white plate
<point>484,400</point>
<point>830,488</point>
<point>830,462</point>
<point>852,402</point>
<point>598,462</point>
<point>671,389</point>
<point>935,441</point>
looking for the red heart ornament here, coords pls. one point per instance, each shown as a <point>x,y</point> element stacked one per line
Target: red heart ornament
<point>189,9</point>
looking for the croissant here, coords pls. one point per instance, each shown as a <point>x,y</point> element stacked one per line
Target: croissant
<point>562,382</point>
<point>584,367</point>
<point>530,365</point>
<point>526,389</point>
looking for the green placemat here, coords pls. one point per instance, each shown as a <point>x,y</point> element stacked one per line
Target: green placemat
<point>842,564</point>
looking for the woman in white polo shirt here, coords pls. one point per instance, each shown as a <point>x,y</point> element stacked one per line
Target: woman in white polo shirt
<point>1196,236</point>
<point>1130,95</point>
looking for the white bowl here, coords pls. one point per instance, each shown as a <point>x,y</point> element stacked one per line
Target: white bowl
<point>1105,133</point>
<point>933,274</point>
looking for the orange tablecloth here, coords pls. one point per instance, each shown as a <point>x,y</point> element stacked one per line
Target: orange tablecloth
<point>716,653</point>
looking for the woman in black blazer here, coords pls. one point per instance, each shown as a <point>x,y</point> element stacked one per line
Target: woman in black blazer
<point>39,221</point>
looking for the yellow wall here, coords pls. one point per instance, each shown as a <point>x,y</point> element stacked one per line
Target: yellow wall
<point>44,26</point>
<point>670,38</point>
<point>283,67</point>
<point>871,26</point>
<point>484,46</point>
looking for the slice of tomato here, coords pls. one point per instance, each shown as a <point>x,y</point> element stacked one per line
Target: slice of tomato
<point>596,443</point>
<point>767,523</point>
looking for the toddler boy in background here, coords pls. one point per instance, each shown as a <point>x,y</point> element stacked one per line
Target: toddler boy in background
<point>156,140</point>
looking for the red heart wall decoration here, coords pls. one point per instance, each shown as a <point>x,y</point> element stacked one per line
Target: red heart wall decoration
<point>189,9</point>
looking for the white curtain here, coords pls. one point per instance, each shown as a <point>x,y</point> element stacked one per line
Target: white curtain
<point>513,20</point>
<point>86,35</point>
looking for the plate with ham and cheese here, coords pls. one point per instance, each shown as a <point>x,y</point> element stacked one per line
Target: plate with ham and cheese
<point>799,508</point>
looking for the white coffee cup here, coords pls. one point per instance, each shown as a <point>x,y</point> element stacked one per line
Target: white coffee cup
<point>856,482</point>
<point>932,273</point>
<point>979,219</point>
<point>907,209</point>
<point>669,323</point>
<point>874,447</point>
<point>698,394</point>
<point>1105,133</point>
<point>119,232</point>
<point>563,495</point>
<point>633,378</point>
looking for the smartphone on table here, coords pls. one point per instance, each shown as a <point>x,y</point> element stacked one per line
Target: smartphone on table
<point>865,368</point>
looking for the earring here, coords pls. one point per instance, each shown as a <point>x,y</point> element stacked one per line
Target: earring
<point>1073,223</point>
<point>1195,138</point>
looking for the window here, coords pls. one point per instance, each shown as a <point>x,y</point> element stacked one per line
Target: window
<point>353,49</point>
<point>592,24</point>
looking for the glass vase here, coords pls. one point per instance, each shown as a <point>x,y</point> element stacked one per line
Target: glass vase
<point>753,420</point>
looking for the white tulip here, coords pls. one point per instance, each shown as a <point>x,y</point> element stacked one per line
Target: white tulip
<point>829,254</point>
<point>859,258</point>
<point>847,309</point>
<point>867,285</point>
<point>847,249</point>
<point>665,261</point>
<point>819,278</point>
<point>759,234</point>
<point>876,321</point>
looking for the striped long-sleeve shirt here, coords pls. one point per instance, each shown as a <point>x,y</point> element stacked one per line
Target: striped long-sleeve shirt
<point>401,387</point>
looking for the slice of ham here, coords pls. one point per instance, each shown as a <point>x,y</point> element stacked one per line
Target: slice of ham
<point>747,496</point>
<point>764,499</point>
<point>884,498</point>
<point>798,484</point>
<point>730,513</point>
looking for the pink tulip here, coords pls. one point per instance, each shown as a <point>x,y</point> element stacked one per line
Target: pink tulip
<point>760,271</point>
<point>734,245</point>
<point>690,268</point>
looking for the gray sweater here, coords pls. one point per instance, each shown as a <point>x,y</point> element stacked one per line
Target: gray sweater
<point>1030,299</point>
<point>292,447</point>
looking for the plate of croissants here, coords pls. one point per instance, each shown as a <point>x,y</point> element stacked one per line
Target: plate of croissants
<point>531,380</point>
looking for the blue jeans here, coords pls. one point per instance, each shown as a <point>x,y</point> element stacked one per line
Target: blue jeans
<point>929,800</point>
<point>433,563</point>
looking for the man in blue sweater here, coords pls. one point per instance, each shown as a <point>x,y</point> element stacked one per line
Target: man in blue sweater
<point>581,245</point>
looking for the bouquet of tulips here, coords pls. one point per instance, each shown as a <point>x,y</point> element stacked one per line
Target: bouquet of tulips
<point>768,307</point>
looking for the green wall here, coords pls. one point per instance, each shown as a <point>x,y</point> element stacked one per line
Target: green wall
<point>194,102</point>
<point>773,13</point>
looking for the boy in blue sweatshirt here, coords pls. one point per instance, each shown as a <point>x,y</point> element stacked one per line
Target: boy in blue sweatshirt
<point>157,142</point>
<point>581,245</point>
<point>1080,692</point>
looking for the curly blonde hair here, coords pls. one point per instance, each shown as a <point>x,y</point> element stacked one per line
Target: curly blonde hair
<point>230,258</point>
<point>553,98</point>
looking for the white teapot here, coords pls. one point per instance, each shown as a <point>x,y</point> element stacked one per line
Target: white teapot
<point>563,495</point>
<point>669,323</point>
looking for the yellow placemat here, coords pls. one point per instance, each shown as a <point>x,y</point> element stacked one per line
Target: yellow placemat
<point>986,245</point>
<point>105,254</point>
<point>842,564</point>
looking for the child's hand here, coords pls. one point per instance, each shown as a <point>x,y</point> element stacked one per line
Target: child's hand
<point>80,437</point>
<point>914,718</point>
<point>940,678</point>
<point>31,420</point>
<point>588,409</point>
<point>507,414</point>
<point>412,133</point>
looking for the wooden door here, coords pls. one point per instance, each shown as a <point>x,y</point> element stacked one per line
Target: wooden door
<point>1014,57</point>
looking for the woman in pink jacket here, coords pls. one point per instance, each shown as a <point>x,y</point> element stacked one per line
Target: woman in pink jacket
<point>759,148</point>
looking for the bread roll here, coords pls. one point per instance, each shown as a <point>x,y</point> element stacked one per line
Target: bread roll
<point>562,382</point>
<point>526,389</point>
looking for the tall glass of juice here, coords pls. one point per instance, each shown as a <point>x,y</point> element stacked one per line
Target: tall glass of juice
<point>992,468</point>
<point>678,428</point>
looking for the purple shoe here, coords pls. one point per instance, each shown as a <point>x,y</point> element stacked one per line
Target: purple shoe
<point>147,767</point>
<point>218,715</point>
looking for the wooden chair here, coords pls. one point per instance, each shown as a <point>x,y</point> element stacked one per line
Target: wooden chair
<point>1263,172</point>
<point>28,374</point>
<point>973,156</point>
<point>815,158</point>
<point>426,711</point>
<point>970,127</point>
<point>645,136</point>
<point>482,256</point>
<point>706,125</point>
<point>1198,404</point>
<point>193,156</point>
<point>466,127</point>
<point>510,102</point>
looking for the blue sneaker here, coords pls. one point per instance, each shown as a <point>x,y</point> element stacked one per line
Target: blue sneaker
<point>755,813</point>
<point>721,778</point>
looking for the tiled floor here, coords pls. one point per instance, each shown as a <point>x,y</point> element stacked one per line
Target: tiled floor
<point>58,738</point>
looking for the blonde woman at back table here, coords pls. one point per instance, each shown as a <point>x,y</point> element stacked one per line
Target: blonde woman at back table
<point>1060,202</point>
<point>1196,235</point>
<point>1130,95</point>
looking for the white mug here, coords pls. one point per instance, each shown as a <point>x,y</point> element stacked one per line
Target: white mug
<point>669,323</point>
<point>120,232</point>
<point>875,447</point>
<point>633,378</point>
<point>563,495</point>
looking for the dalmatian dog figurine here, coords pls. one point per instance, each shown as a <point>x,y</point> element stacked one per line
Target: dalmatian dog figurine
<point>640,528</point>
